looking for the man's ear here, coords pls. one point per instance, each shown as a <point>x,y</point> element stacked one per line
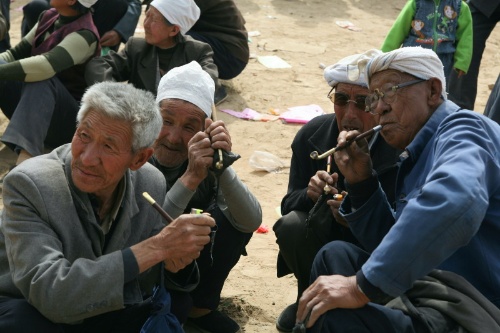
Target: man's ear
<point>436,88</point>
<point>175,31</point>
<point>141,157</point>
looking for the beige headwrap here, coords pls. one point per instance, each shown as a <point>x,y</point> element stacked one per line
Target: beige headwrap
<point>350,69</point>
<point>414,60</point>
<point>183,13</point>
<point>87,3</point>
<point>189,83</point>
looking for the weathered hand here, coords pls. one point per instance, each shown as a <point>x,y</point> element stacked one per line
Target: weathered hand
<point>334,206</point>
<point>110,38</point>
<point>183,239</point>
<point>329,292</point>
<point>200,158</point>
<point>354,161</point>
<point>317,183</point>
<point>219,135</point>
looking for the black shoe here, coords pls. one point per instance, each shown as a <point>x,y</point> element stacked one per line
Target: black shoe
<point>286,320</point>
<point>220,95</point>
<point>216,322</point>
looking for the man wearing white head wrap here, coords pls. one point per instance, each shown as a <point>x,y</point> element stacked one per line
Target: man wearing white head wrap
<point>145,60</point>
<point>184,153</point>
<point>190,83</point>
<point>436,223</point>
<point>415,60</point>
<point>298,242</point>
<point>183,13</point>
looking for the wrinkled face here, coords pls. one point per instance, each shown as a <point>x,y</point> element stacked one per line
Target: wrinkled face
<point>102,152</point>
<point>352,116</point>
<point>407,113</point>
<point>157,32</point>
<point>181,121</point>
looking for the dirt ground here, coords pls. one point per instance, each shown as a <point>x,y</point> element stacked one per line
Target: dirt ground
<point>306,35</point>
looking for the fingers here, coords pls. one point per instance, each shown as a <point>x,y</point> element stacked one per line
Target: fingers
<point>219,135</point>
<point>110,38</point>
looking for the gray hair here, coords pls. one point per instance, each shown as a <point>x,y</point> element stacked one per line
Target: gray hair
<point>123,101</point>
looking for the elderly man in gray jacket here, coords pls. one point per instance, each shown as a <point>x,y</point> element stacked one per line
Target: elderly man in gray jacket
<point>80,248</point>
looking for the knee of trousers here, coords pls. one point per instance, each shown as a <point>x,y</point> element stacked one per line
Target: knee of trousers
<point>290,228</point>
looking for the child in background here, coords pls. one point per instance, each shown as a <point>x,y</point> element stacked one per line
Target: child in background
<point>443,26</point>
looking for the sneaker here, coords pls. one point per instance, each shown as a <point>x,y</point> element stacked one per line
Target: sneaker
<point>215,322</point>
<point>286,320</point>
<point>220,95</point>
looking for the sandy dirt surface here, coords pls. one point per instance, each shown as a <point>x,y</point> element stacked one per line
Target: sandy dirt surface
<point>306,35</point>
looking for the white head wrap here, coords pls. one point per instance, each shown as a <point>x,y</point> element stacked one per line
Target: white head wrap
<point>350,69</point>
<point>189,83</point>
<point>414,60</point>
<point>183,13</point>
<point>87,3</point>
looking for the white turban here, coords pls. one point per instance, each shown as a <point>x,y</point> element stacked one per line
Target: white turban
<point>183,13</point>
<point>350,69</point>
<point>414,60</point>
<point>87,3</point>
<point>189,83</point>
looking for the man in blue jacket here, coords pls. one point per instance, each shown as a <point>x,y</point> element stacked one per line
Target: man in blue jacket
<point>446,222</point>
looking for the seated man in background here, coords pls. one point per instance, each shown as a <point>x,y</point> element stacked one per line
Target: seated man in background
<point>184,153</point>
<point>115,20</point>
<point>41,78</point>
<point>80,248</point>
<point>298,243</point>
<point>144,61</point>
<point>222,26</point>
<point>4,25</point>
<point>431,263</point>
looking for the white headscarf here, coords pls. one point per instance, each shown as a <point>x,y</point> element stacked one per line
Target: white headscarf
<point>414,60</point>
<point>183,13</point>
<point>87,3</point>
<point>189,83</point>
<point>350,69</point>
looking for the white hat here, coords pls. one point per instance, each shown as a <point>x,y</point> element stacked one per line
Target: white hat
<point>189,83</point>
<point>183,13</point>
<point>87,3</point>
<point>414,60</point>
<point>350,69</point>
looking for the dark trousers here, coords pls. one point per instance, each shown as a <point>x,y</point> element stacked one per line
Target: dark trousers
<point>229,245</point>
<point>228,65</point>
<point>42,114</point>
<point>298,245</point>
<point>342,258</point>
<point>297,248</point>
<point>492,109</point>
<point>346,259</point>
<point>463,90</point>
<point>106,14</point>
<point>18,316</point>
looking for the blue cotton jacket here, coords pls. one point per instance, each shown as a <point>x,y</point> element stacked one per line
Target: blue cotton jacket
<point>447,208</point>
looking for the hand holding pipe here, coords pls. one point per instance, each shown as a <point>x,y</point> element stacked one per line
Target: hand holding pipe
<point>315,155</point>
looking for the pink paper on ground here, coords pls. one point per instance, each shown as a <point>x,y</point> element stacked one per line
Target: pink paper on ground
<point>301,114</point>
<point>249,114</point>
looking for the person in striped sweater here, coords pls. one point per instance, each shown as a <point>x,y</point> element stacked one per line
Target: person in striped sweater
<point>41,78</point>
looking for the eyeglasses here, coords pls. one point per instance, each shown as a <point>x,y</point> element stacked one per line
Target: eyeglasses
<point>341,99</point>
<point>389,96</point>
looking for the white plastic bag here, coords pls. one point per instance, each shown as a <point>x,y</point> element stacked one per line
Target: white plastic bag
<point>262,160</point>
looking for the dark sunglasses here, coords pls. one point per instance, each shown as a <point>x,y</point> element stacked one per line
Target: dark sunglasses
<point>341,99</point>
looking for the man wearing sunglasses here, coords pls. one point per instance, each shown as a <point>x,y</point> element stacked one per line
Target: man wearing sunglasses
<point>298,244</point>
<point>430,263</point>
